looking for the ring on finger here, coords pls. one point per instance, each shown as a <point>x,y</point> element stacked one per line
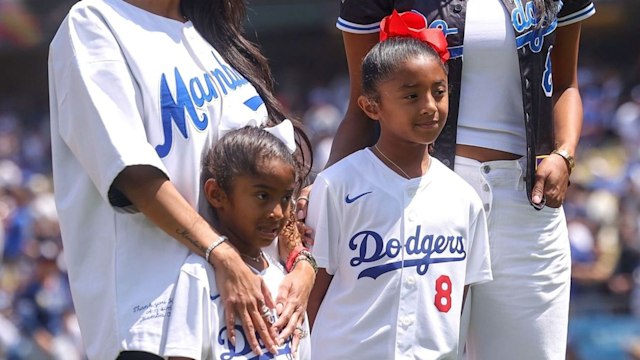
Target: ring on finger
<point>303,333</point>
<point>303,198</point>
<point>265,311</point>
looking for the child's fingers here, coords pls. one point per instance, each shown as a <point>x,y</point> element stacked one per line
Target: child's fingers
<point>302,202</point>
<point>307,234</point>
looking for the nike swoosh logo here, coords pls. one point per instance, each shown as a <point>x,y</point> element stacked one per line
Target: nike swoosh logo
<point>350,200</point>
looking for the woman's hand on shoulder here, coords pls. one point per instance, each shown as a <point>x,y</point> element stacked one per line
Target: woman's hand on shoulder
<point>245,296</point>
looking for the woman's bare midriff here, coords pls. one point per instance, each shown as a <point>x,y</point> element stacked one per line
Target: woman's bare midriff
<point>484,154</point>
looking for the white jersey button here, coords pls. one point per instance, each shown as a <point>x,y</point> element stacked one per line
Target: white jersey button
<point>406,321</point>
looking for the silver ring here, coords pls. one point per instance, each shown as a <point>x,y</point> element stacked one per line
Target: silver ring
<point>303,198</point>
<point>265,310</point>
<point>303,332</point>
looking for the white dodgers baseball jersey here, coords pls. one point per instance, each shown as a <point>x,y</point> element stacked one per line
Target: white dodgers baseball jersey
<point>401,252</point>
<point>128,87</point>
<point>196,326</point>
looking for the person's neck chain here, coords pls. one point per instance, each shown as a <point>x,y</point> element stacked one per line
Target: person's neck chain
<point>391,161</point>
<point>256,259</point>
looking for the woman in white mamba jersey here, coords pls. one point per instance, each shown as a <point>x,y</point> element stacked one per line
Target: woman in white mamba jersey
<point>397,242</point>
<point>139,90</point>
<point>514,123</point>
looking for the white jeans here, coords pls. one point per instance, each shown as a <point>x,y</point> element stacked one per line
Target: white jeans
<point>523,313</point>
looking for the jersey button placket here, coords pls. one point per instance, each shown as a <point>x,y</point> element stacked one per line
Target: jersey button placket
<point>486,193</point>
<point>408,296</point>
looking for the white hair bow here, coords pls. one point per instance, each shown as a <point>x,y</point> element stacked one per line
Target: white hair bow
<point>284,131</point>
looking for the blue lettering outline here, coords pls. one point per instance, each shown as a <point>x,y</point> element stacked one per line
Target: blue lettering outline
<point>371,247</point>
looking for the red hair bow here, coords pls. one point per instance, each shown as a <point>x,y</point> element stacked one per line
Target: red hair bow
<point>414,25</point>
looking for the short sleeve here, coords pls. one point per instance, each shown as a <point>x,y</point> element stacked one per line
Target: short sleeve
<point>479,258</point>
<point>573,11</point>
<point>363,16</point>
<point>98,109</point>
<point>191,308</point>
<point>324,218</point>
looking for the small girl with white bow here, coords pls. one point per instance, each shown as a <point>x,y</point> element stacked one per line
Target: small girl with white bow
<point>250,177</point>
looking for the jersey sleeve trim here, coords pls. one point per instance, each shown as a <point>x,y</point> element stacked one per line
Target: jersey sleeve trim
<point>577,16</point>
<point>350,27</point>
<point>479,278</point>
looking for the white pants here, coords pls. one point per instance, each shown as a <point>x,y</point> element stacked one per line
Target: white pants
<point>523,313</point>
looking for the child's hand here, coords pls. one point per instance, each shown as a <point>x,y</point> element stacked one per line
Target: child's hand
<point>302,202</point>
<point>306,234</point>
<point>301,214</point>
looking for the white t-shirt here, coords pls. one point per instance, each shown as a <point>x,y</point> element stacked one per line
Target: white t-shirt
<point>128,87</point>
<point>491,113</point>
<point>196,327</point>
<point>400,252</point>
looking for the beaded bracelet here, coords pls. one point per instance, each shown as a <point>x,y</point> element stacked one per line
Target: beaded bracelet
<point>305,255</point>
<point>214,245</point>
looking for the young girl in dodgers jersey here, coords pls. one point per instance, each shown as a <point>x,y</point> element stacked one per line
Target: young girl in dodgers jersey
<point>249,179</point>
<point>398,236</point>
<point>514,124</point>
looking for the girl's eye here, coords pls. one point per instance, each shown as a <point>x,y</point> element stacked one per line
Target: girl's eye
<point>287,198</point>
<point>262,196</point>
<point>411,96</point>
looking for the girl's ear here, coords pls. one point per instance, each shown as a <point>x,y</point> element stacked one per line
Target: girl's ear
<point>369,106</point>
<point>214,194</point>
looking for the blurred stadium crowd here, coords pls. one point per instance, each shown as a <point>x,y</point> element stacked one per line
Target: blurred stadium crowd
<point>37,320</point>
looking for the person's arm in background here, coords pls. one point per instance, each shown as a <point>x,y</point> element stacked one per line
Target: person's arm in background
<point>356,131</point>
<point>156,197</point>
<point>323,280</point>
<point>552,176</point>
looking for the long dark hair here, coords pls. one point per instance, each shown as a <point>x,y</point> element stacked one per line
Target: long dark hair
<point>220,22</point>
<point>545,12</point>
